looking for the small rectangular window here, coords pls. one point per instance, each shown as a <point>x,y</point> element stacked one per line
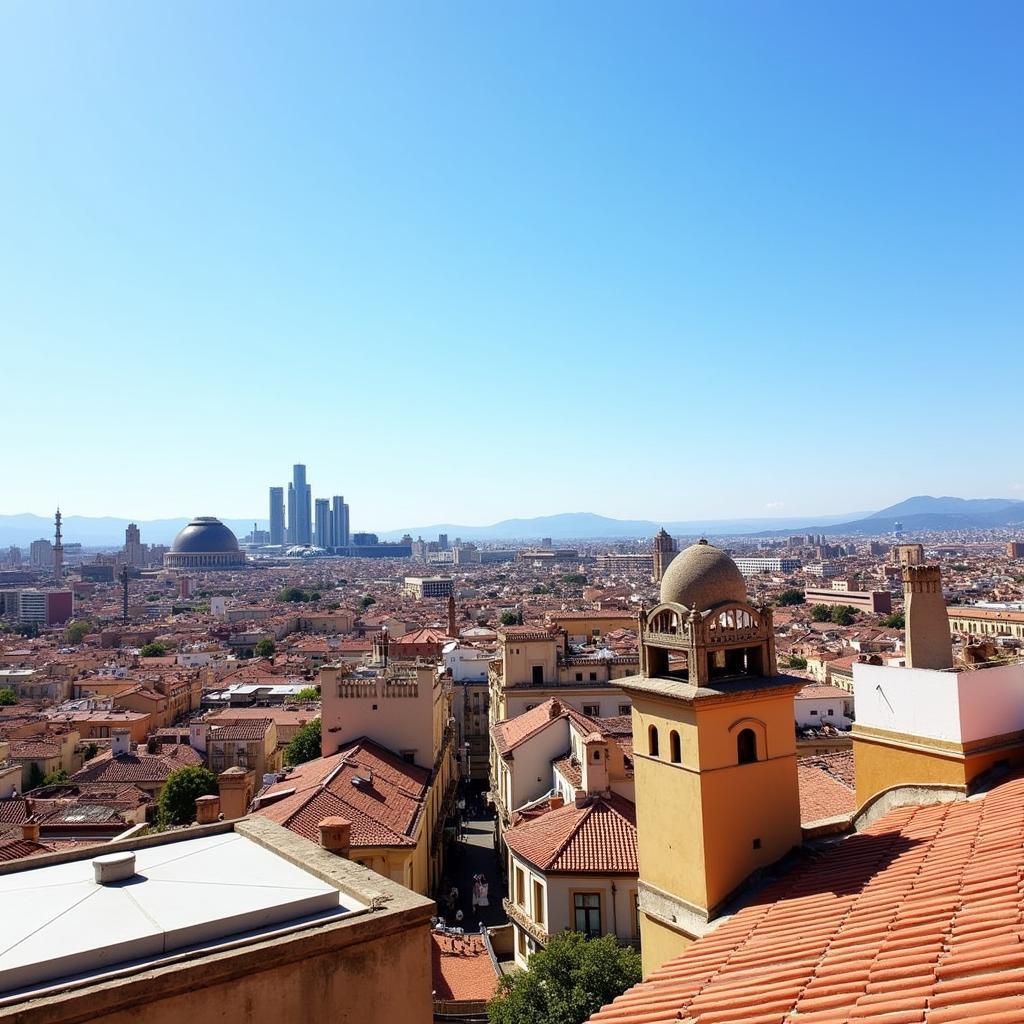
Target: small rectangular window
<point>592,709</point>
<point>593,677</point>
<point>624,709</point>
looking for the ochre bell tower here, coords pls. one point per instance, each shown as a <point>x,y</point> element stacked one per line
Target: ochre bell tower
<point>715,766</point>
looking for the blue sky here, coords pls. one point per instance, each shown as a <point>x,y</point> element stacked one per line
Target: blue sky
<point>470,261</point>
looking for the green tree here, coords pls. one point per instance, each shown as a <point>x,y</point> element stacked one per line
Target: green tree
<point>791,596</point>
<point>844,615</point>
<point>154,650</point>
<point>264,649</point>
<point>177,802</point>
<point>575,579</point>
<point>895,621</point>
<point>77,630</point>
<point>91,750</point>
<point>8,698</point>
<point>795,661</point>
<point>821,613</point>
<point>308,693</point>
<point>333,606</point>
<point>366,602</point>
<point>29,630</point>
<point>305,744</point>
<point>511,618</point>
<point>566,982</point>
<point>55,778</point>
<point>294,595</point>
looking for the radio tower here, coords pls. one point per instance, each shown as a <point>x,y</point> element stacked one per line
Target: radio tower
<point>58,550</point>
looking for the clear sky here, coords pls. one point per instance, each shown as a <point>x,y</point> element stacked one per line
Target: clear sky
<point>477,260</point>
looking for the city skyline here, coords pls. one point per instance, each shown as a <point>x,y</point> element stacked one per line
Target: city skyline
<point>792,232</point>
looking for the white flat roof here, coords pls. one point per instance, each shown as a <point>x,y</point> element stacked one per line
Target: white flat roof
<point>58,921</point>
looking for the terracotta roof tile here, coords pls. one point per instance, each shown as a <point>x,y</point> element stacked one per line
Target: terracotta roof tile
<point>919,918</point>
<point>461,967</point>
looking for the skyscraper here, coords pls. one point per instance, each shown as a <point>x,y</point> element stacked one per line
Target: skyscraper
<point>303,512</point>
<point>133,554</point>
<point>276,515</point>
<point>323,524</point>
<point>339,521</point>
<point>291,514</point>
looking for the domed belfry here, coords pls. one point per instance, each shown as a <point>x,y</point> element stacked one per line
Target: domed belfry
<point>717,796</point>
<point>704,627</point>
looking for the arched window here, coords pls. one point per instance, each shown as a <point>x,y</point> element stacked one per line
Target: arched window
<point>652,741</point>
<point>675,751</point>
<point>746,746</point>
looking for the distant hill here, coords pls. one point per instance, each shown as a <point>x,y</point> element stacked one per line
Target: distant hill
<point>589,526</point>
<point>924,512</point>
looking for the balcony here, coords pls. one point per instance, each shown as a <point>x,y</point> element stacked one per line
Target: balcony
<point>518,916</point>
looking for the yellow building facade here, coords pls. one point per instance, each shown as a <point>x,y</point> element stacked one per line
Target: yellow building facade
<point>717,796</point>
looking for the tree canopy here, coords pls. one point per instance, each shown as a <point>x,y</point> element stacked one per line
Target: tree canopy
<point>8,698</point>
<point>566,982</point>
<point>308,693</point>
<point>77,630</point>
<point>794,595</point>
<point>264,649</point>
<point>511,618</point>
<point>305,744</point>
<point>574,578</point>
<point>366,601</point>
<point>154,650</point>
<point>177,803</point>
<point>895,621</point>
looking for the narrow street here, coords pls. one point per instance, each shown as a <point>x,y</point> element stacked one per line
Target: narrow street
<point>472,855</point>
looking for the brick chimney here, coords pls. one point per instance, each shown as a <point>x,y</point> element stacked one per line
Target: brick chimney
<point>336,835</point>
<point>556,801</point>
<point>237,788</point>
<point>582,798</point>
<point>556,708</point>
<point>207,809</point>
<point>30,830</point>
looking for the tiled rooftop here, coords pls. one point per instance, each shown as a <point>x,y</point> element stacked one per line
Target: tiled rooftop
<point>598,837</point>
<point>461,967</point>
<point>916,919</point>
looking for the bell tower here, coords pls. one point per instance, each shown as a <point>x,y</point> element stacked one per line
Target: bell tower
<point>715,765</point>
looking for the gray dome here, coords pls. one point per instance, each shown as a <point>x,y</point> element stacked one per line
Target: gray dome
<point>703,576</point>
<point>205,535</point>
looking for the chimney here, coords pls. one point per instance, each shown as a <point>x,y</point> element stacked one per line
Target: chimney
<point>120,741</point>
<point>595,763</point>
<point>556,801</point>
<point>928,640</point>
<point>30,830</point>
<point>151,744</point>
<point>237,787</point>
<point>336,835</point>
<point>207,809</point>
<point>556,708</point>
<point>582,798</point>
<point>197,736</point>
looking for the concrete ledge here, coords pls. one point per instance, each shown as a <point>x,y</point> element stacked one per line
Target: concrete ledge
<point>834,826</point>
<point>906,796</point>
<point>394,914</point>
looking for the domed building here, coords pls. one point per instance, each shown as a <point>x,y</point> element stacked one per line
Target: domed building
<point>715,762</point>
<point>206,543</point>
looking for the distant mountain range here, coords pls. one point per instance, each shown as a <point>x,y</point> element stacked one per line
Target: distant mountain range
<point>927,513</point>
<point>916,514</point>
<point>589,526</point>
